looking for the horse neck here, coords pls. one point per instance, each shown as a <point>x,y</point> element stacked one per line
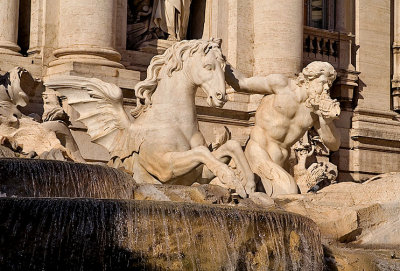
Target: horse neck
<point>176,90</point>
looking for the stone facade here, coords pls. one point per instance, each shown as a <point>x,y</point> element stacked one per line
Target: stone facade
<point>88,38</point>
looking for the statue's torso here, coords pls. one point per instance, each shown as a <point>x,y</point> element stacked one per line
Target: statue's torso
<point>279,122</point>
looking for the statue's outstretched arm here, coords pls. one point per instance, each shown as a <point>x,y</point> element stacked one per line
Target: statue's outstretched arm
<point>254,85</point>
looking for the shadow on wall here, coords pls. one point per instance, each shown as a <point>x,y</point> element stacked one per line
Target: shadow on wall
<point>24,26</point>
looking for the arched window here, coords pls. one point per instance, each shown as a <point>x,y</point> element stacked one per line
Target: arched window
<point>319,13</point>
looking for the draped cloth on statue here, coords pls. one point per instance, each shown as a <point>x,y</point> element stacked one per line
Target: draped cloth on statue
<point>172,16</point>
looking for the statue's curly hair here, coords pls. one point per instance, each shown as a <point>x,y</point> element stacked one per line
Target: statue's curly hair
<point>316,69</point>
<point>171,61</point>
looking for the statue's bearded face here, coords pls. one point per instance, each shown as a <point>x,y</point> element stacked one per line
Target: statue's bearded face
<point>319,99</point>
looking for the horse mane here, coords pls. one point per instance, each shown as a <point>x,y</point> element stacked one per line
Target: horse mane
<point>171,61</point>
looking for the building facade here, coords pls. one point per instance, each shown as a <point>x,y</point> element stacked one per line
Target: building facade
<point>114,40</point>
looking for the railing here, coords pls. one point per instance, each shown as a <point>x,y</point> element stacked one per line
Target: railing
<point>321,45</point>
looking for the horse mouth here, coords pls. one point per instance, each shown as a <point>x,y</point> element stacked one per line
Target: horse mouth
<point>213,102</point>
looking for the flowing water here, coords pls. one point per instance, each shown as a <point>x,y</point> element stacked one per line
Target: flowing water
<point>50,178</point>
<point>75,233</point>
<point>94,234</point>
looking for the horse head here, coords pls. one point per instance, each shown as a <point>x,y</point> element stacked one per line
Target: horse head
<point>206,69</point>
<point>202,64</point>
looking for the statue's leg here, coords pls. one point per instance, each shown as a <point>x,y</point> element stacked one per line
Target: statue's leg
<point>64,135</point>
<point>275,179</point>
<point>232,149</point>
<point>172,22</point>
<point>167,166</point>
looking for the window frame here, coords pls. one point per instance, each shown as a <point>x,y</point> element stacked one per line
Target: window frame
<point>328,14</point>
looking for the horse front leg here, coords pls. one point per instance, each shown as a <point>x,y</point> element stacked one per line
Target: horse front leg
<point>233,149</point>
<point>174,164</point>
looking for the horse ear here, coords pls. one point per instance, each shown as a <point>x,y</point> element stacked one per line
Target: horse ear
<point>217,41</point>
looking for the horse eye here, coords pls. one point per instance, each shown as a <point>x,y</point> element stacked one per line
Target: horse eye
<point>208,67</point>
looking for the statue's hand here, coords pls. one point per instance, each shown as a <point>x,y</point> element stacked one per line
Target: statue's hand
<point>329,109</point>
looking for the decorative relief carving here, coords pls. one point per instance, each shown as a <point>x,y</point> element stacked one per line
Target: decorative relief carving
<point>52,109</point>
<point>25,136</point>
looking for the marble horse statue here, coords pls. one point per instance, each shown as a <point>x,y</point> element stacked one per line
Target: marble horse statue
<point>160,141</point>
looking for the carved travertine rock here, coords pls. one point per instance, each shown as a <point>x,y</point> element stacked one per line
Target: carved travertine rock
<point>289,108</point>
<point>364,214</point>
<point>161,141</point>
<point>23,134</point>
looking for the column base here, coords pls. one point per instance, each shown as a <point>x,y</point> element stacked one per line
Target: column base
<point>88,55</point>
<point>9,48</point>
<point>36,51</point>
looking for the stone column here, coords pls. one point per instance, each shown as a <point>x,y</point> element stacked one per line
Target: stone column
<point>344,25</point>
<point>278,36</point>
<point>396,54</point>
<point>86,33</point>
<point>9,10</point>
<point>35,39</point>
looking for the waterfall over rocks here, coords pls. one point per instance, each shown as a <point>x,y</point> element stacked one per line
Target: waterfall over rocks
<point>65,216</point>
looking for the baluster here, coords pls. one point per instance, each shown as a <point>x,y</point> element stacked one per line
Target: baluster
<point>319,48</point>
<point>306,46</point>
<point>331,51</point>
<point>325,49</point>
<point>314,46</point>
<point>335,49</point>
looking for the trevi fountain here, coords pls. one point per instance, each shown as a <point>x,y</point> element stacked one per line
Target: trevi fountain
<point>161,191</point>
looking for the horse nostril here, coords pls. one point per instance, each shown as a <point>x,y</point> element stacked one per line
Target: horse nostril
<point>219,96</point>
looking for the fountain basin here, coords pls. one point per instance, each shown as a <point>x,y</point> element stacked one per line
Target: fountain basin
<point>101,234</point>
<point>69,216</point>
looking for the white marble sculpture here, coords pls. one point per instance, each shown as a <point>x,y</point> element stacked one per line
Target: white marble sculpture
<point>23,134</point>
<point>149,21</point>
<point>172,17</point>
<point>52,109</point>
<point>318,174</point>
<point>160,141</point>
<point>289,108</point>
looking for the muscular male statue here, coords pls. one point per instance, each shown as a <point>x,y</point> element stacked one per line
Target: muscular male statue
<point>289,108</point>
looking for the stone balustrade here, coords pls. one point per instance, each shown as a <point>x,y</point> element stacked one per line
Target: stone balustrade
<point>322,45</point>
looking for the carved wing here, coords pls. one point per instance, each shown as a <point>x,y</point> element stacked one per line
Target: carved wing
<point>100,107</point>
